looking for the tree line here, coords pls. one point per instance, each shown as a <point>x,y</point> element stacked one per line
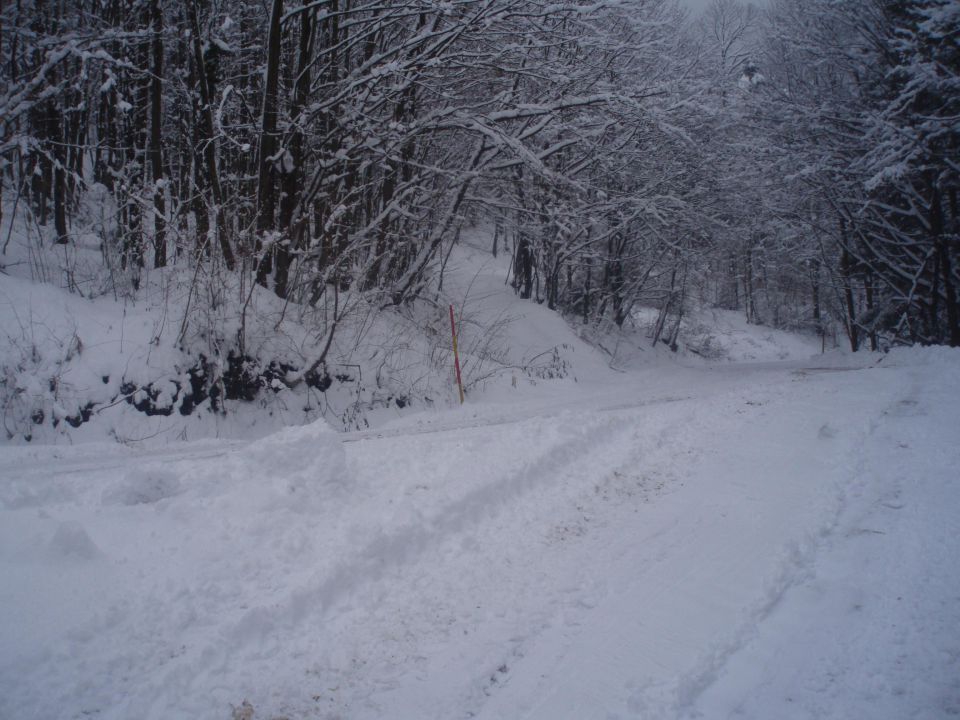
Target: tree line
<point>797,163</point>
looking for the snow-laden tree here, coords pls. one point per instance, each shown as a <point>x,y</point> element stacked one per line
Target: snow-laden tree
<point>798,163</point>
<point>912,168</point>
<point>858,130</point>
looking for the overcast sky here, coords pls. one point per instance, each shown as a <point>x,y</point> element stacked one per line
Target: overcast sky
<point>698,5</point>
<point>695,5</point>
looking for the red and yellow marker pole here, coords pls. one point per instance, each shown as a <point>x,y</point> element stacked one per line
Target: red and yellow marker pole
<point>456,354</point>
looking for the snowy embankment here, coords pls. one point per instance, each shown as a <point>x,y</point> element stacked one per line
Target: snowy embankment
<point>779,538</point>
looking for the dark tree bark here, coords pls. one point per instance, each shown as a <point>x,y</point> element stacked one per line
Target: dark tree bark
<point>266,192</point>
<point>207,138</point>
<point>55,130</point>
<point>156,148</point>
<point>946,267</point>
<point>292,220</point>
<point>868,293</point>
<point>846,275</point>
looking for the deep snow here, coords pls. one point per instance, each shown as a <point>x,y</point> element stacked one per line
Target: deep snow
<point>635,539</point>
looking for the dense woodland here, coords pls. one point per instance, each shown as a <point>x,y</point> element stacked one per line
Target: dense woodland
<point>798,162</point>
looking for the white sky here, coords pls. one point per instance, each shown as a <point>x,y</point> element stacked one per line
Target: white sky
<point>697,5</point>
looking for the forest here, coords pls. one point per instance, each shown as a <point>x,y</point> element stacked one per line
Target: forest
<point>487,359</point>
<point>797,162</point>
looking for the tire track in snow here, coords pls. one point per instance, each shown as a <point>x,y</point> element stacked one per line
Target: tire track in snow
<point>294,617</point>
<point>862,646</point>
<point>403,546</point>
<point>695,616</point>
<point>32,467</point>
<point>540,413</point>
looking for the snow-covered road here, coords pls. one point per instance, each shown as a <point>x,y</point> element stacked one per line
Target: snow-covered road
<point>765,540</point>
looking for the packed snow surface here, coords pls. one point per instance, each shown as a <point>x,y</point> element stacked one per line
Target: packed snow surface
<point>735,539</point>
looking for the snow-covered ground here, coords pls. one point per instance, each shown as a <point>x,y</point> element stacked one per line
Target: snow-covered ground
<point>729,539</point>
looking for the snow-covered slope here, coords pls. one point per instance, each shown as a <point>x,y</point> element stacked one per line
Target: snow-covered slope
<point>764,539</point>
<point>76,369</point>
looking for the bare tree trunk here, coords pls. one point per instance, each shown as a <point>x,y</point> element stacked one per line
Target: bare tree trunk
<point>156,153</point>
<point>208,141</point>
<point>292,184</point>
<point>55,141</point>
<point>523,268</point>
<point>946,268</point>
<point>749,296</point>
<point>59,178</point>
<point>846,273</point>
<point>586,288</point>
<point>868,291</point>
<point>266,196</point>
<point>815,293</point>
<point>947,265</point>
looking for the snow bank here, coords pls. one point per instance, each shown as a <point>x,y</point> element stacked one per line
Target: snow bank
<point>298,466</point>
